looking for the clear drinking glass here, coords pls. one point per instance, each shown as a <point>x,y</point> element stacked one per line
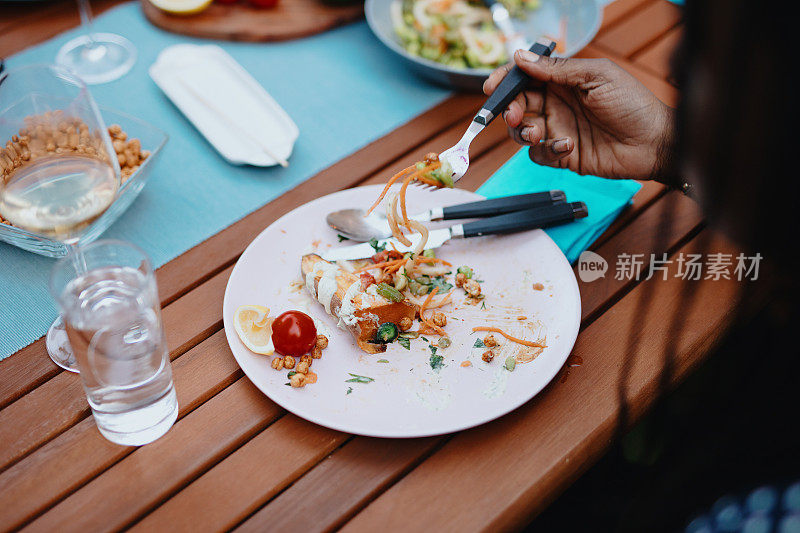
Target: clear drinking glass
<point>113,320</point>
<point>96,57</point>
<point>58,169</point>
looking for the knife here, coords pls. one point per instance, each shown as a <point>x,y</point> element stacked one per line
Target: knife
<point>538,217</point>
<point>514,40</point>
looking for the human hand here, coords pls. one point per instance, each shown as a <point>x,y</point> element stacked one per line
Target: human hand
<point>592,116</point>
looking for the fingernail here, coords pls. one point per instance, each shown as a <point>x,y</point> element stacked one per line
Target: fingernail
<point>528,56</point>
<point>528,133</point>
<point>505,115</point>
<point>561,145</point>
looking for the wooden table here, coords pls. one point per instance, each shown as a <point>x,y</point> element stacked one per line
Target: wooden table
<point>237,460</point>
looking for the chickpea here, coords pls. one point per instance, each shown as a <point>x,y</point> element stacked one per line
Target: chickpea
<point>460,279</point>
<point>277,363</point>
<point>487,356</point>
<point>288,362</point>
<point>472,287</point>
<point>322,342</point>
<point>306,359</point>
<point>302,368</point>
<point>490,341</point>
<point>297,380</point>
<point>316,352</point>
<point>405,323</point>
<point>440,319</point>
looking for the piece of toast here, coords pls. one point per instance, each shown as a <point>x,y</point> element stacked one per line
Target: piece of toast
<point>368,310</point>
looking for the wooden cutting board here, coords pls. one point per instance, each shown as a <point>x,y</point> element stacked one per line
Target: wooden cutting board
<point>291,19</point>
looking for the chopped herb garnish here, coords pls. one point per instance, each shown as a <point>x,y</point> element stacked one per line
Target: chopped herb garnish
<point>426,340</point>
<point>342,237</point>
<point>288,384</point>
<point>383,360</point>
<point>377,247</point>
<point>404,342</point>
<point>479,344</point>
<point>483,305</point>
<point>349,390</point>
<point>291,373</point>
<point>437,361</point>
<point>433,349</point>
<point>359,379</point>
<point>440,283</point>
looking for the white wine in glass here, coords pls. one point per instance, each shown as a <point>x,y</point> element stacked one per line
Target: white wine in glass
<point>58,168</point>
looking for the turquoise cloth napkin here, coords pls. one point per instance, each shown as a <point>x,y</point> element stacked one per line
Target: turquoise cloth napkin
<point>605,198</point>
<point>343,88</point>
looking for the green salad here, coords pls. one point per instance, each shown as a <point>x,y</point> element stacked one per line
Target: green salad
<point>457,33</point>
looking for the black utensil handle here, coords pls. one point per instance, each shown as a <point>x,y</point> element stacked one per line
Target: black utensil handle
<point>511,86</point>
<point>501,206</point>
<point>538,217</point>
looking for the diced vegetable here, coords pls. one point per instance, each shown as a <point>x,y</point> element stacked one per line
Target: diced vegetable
<point>467,271</point>
<point>389,292</point>
<point>387,332</point>
<point>444,342</point>
<point>429,253</point>
<point>511,363</point>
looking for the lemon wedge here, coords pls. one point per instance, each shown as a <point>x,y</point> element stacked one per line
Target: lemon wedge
<point>254,327</point>
<point>181,7</point>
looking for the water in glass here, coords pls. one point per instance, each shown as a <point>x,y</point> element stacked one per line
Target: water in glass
<point>114,327</point>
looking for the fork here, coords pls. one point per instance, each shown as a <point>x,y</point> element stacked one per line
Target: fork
<point>516,80</point>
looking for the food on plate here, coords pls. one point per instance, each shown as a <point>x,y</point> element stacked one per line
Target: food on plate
<point>429,171</point>
<point>294,333</point>
<point>181,7</point>
<point>254,327</point>
<point>357,302</point>
<point>457,33</point>
<point>532,344</point>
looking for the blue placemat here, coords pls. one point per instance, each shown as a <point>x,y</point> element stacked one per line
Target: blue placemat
<point>342,88</point>
<point>605,198</point>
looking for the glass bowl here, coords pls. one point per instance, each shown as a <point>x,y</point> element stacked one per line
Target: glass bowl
<point>151,138</point>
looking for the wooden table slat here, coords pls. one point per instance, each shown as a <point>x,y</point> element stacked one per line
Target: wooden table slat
<point>642,28</point>
<point>657,57</point>
<point>143,479</point>
<point>81,453</point>
<point>59,403</point>
<point>516,465</point>
<point>616,11</point>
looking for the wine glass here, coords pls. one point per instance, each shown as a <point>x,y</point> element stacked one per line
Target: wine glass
<point>96,57</point>
<point>58,168</point>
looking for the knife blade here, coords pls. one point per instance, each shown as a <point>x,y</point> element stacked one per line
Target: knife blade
<point>436,238</point>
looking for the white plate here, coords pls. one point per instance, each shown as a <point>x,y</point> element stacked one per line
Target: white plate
<point>408,398</point>
<point>243,118</point>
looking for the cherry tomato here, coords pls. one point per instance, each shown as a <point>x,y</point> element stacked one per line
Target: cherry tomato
<point>294,333</point>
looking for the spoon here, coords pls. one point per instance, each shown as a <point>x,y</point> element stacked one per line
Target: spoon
<point>354,225</point>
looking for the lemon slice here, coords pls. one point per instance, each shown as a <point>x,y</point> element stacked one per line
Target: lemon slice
<point>254,327</point>
<point>181,7</point>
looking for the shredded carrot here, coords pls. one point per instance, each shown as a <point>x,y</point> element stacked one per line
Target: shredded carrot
<point>379,265</point>
<point>389,184</point>
<point>509,337</point>
<point>422,309</point>
<point>423,259</point>
<point>444,301</point>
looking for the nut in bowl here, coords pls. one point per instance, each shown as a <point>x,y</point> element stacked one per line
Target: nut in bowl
<point>137,145</point>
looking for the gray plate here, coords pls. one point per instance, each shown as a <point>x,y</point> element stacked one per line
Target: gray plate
<point>583,21</point>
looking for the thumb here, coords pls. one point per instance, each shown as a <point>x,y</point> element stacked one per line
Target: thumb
<point>551,151</point>
<point>561,71</point>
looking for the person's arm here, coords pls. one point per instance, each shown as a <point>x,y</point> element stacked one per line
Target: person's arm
<point>588,115</point>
